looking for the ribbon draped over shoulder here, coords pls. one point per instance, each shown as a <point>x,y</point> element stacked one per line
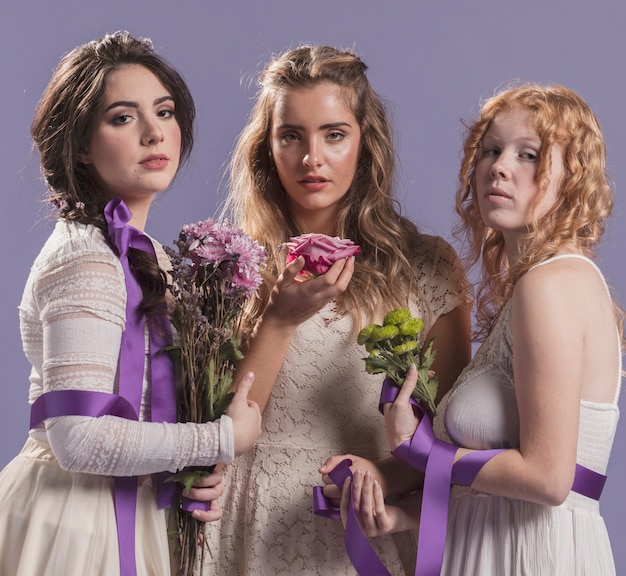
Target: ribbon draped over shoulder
<point>130,376</point>
<point>435,458</point>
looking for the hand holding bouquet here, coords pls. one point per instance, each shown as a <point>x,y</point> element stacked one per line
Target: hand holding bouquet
<point>394,346</point>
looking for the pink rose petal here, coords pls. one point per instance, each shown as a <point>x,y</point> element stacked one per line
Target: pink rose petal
<point>320,252</point>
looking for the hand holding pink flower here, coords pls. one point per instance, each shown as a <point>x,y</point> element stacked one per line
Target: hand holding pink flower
<point>320,252</point>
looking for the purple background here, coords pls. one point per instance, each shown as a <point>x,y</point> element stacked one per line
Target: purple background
<point>431,61</point>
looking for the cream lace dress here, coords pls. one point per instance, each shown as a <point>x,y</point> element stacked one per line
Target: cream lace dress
<point>496,536</point>
<point>323,403</point>
<point>56,497</point>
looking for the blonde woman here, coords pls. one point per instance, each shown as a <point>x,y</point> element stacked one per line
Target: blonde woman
<point>316,157</point>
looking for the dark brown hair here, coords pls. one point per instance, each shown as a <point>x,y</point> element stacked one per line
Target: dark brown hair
<point>63,124</point>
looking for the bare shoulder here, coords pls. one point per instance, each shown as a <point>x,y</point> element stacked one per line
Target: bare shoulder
<point>563,279</point>
<point>563,298</point>
<point>565,303</point>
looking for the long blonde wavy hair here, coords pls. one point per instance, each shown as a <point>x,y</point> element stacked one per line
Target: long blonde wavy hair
<point>368,215</point>
<point>577,218</point>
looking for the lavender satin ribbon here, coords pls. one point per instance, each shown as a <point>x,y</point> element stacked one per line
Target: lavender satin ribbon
<point>361,554</point>
<point>436,459</point>
<point>131,373</point>
<point>79,403</point>
<point>125,404</point>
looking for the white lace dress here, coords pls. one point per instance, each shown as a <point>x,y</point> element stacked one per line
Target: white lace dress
<point>323,403</point>
<point>497,536</point>
<point>56,497</point>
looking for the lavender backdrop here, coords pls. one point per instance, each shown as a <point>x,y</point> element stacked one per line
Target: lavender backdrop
<point>431,61</point>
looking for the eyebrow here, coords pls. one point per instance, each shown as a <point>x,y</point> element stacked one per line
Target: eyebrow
<point>322,127</point>
<point>530,139</point>
<point>131,104</point>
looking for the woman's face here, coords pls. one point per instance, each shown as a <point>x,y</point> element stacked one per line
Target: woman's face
<point>315,141</point>
<point>135,144</point>
<point>506,174</point>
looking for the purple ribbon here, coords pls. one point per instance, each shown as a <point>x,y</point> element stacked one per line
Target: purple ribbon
<point>79,403</point>
<point>436,459</point>
<point>125,404</point>
<point>361,554</point>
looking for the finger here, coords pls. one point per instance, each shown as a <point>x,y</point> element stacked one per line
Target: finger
<point>292,270</point>
<point>408,386</point>
<point>346,273</point>
<point>211,515</point>
<point>331,491</point>
<point>379,501</point>
<point>332,274</point>
<point>244,386</point>
<point>332,461</point>
<point>380,510</point>
<point>357,487</point>
<point>326,479</point>
<point>210,480</point>
<point>367,505</point>
<point>203,494</point>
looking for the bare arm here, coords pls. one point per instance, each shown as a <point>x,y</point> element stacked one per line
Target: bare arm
<point>548,326</point>
<point>549,334</point>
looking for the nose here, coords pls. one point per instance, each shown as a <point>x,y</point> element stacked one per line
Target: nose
<point>312,158</point>
<point>152,132</point>
<point>499,168</point>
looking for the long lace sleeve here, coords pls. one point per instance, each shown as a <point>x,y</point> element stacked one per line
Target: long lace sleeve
<point>118,447</point>
<point>79,300</point>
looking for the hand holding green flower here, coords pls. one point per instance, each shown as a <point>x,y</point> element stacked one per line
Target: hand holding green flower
<point>394,346</point>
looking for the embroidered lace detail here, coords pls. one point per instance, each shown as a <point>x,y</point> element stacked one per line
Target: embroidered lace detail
<point>323,403</point>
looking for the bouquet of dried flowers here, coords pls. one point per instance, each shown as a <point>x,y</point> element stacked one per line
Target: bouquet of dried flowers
<point>215,271</point>
<point>394,346</point>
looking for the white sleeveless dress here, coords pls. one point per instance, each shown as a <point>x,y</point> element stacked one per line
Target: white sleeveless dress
<point>496,536</point>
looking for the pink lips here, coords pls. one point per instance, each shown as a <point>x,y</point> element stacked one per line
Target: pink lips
<point>155,161</point>
<point>497,195</point>
<point>314,183</point>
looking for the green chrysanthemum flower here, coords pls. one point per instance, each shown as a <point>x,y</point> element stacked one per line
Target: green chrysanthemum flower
<point>406,347</point>
<point>411,327</point>
<point>393,347</point>
<point>365,334</point>
<point>384,333</point>
<point>397,317</point>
